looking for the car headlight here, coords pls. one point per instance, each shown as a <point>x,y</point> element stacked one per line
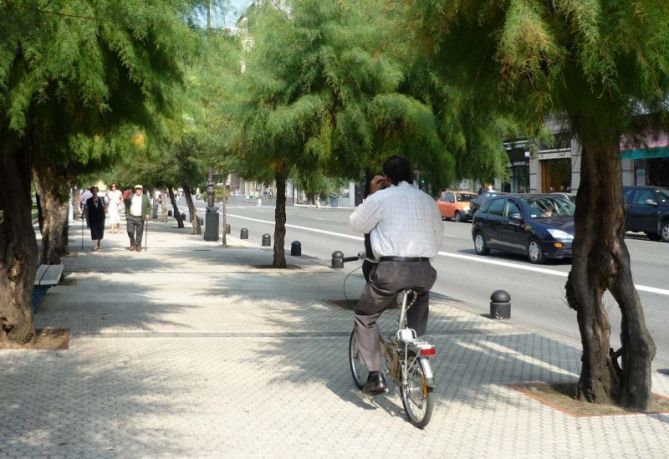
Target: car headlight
<point>465,209</point>
<point>559,234</point>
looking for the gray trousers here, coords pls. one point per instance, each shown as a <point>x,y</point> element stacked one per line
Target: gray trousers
<point>385,280</point>
<point>135,230</point>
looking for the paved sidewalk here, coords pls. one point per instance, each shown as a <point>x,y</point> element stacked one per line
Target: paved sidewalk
<point>194,350</point>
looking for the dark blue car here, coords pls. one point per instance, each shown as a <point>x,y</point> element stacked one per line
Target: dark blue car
<point>540,226</point>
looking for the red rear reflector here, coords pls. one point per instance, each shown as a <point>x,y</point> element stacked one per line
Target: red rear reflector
<point>428,352</point>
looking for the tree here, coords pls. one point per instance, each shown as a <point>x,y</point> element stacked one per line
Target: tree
<point>70,73</point>
<point>599,64</point>
<point>319,96</point>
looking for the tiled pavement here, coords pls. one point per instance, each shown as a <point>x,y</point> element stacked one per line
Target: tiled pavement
<point>193,350</point>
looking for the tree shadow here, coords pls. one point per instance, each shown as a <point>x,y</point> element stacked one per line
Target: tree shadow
<point>476,356</point>
<point>85,403</point>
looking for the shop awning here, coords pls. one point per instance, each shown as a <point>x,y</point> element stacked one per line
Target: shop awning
<point>645,153</point>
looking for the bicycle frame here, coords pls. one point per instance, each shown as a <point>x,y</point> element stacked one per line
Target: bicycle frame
<point>406,342</point>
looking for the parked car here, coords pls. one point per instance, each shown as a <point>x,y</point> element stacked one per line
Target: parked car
<point>456,205</point>
<point>481,199</point>
<point>647,210</point>
<point>540,226</point>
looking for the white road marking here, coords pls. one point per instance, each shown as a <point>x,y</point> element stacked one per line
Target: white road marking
<point>478,259</point>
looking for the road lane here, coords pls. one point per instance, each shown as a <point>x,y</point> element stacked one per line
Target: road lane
<point>538,298</point>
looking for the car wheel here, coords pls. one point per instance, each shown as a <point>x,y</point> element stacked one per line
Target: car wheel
<point>535,252</point>
<point>664,231</point>
<point>457,217</point>
<point>654,236</point>
<point>480,246</point>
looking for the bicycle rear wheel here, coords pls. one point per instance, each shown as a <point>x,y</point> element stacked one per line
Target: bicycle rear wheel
<point>358,367</point>
<point>416,394</point>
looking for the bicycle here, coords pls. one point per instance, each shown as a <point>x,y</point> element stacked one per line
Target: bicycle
<point>407,361</point>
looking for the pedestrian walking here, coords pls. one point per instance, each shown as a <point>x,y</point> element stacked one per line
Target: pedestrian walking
<point>114,203</point>
<point>83,198</point>
<point>95,209</point>
<point>138,209</point>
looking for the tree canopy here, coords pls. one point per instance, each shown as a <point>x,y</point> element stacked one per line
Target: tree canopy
<point>603,65</point>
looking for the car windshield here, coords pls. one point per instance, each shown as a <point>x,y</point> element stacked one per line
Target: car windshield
<point>663,195</point>
<point>464,197</point>
<point>548,207</point>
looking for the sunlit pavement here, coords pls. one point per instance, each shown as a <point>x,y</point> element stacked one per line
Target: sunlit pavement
<point>191,349</point>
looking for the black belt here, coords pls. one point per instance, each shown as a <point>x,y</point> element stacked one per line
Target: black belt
<point>410,259</point>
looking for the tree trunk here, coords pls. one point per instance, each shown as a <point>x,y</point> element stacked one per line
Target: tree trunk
<point>280,222</point>
<point>601,262</point>
<point>18,251</point>
<point>40,213</point>
<point>54,192</point>
<point>175,208</point>
<point>74,202</point>
<point>192,211</point>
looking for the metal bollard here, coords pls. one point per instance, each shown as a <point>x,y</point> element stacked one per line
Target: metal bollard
<point>338,259</point>
<point>227,228</point>
<point>244,234</point>
<point>500,305</point>
<point>266,240</point>
<point>296,249</point>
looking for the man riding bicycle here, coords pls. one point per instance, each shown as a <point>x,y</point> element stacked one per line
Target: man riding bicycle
<point>405,230</point>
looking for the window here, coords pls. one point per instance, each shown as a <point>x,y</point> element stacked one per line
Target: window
<point>663,195</point>
<point>464,197</point>
<point>511,208</point>
<point>496,206</point>
<point>449,197</point>
<point>643,195</point>
<point>629,194</point>
<point>547,207</point>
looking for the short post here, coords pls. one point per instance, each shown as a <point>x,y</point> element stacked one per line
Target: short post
<point>296,249</point>
<point>227,228</point>
<point>244,234</point>
<point>338,259</point>
<point>266,240</point>
<point>500,305</point>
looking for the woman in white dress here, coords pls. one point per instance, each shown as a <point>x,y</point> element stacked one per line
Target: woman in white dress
<point>113,211</point>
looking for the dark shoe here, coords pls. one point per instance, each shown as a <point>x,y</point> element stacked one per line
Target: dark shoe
<point>138,248</point>
<point>376,383</point>
<point>131,248</point>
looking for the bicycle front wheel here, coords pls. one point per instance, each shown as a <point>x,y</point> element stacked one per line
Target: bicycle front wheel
<point>416,394</point>
<point>358,367</point>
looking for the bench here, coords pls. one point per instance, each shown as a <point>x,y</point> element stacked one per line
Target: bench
<point>47,276</point>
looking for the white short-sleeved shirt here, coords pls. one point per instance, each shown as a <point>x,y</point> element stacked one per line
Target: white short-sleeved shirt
<point>401,220</point>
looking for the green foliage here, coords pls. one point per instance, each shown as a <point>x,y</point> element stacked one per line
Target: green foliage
<point>320,96</point>
<point>78,76</point>
<point>602,62</point>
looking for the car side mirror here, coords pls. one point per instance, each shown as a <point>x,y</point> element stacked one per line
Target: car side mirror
<point>516,217</point>
<point>651,202</point>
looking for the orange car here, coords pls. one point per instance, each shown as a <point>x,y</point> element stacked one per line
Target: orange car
<point>456,205</point>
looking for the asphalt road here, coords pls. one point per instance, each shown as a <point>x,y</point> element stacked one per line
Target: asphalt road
<point>537,292</point>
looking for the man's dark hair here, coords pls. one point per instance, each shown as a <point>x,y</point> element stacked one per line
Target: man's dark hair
<point>398,170</point>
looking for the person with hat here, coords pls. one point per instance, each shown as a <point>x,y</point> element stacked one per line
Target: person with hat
<point>137,209</point>
<point>95,210</point>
